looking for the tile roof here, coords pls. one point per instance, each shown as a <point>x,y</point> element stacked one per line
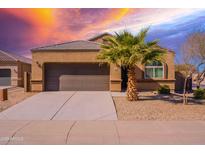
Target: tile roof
<point>168,50</point>
<point>8,57</point>
<point>83,45</point>
<point>73,45</point>
<point>99,36</point>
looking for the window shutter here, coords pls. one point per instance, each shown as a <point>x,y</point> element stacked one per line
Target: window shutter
<point>165,71</point>
<point>143,72</point>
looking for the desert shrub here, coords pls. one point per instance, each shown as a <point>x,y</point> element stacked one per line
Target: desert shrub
<point>164,89</point>
<point>199,93</point>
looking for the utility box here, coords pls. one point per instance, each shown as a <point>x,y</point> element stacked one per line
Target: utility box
<point>3,94</point>
<point>27,81</point>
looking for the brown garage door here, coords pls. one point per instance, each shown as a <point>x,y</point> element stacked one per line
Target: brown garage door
<point>76,77</point>
<point>5,77</point>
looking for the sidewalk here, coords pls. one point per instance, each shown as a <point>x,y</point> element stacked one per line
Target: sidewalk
<point>102,132</point>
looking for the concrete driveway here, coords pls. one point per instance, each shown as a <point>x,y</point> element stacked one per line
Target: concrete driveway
<point>64,105</point>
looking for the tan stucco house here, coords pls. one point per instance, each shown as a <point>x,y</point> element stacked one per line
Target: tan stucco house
<point>73,66</point>
<point>12,68</point>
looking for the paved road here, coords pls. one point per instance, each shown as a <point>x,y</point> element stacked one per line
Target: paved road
<point>102,132</point>
<point>64,105</point>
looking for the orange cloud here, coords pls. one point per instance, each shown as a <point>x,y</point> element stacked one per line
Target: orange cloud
<point>38,17</point>
<point>118,14</point>
<point>75,17</point>
<point>52,25</point>
<point>42,21</point>
<point>114,15</point>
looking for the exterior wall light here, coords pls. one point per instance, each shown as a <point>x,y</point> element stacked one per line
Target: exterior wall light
<point>39,65</point>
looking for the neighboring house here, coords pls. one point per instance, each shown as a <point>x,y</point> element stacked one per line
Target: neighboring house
<point>73,66</point>
<point>181,71</point>
<point>194,83</point>
<point>12,68</point>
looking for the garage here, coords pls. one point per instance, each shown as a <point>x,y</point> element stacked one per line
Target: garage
<point>73,66</point>
<point>76,77</point>
<point>5,77</point>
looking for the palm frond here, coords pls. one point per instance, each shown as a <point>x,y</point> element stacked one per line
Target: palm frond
<point>142,34</point>
<point>111,40</point>
<point>153,43</point>
<point>153,55</point>
<point>126,49</point>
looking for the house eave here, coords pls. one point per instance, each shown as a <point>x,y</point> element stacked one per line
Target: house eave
<point>54,50</point>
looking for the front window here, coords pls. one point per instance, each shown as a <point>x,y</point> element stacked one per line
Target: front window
<point>154,70</point>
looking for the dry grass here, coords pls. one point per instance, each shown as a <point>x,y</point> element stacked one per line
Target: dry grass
<point>15,95</point>
<point>157,110</point>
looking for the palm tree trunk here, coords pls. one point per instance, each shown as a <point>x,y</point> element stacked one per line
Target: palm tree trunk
<point>131,85</point>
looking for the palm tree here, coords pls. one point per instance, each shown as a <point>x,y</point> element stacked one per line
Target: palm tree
<point>127,50</point>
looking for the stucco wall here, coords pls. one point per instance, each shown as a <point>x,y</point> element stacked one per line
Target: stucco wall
<point>169,75</point>
<point>115,78</point>
<point>153,85</point>
<point>22,67</point>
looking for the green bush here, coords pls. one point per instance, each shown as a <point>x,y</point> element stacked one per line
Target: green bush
<point>199,93</point>
<point>164,89</point>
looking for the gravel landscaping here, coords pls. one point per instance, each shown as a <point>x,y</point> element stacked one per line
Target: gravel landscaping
<point>15,95</point>
<point>157,109</point>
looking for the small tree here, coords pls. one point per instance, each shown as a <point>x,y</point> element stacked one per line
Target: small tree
<point>127,50</point>
<point>193,56</point>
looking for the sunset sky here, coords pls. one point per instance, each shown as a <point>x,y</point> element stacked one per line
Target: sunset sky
<point>23,29</point>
